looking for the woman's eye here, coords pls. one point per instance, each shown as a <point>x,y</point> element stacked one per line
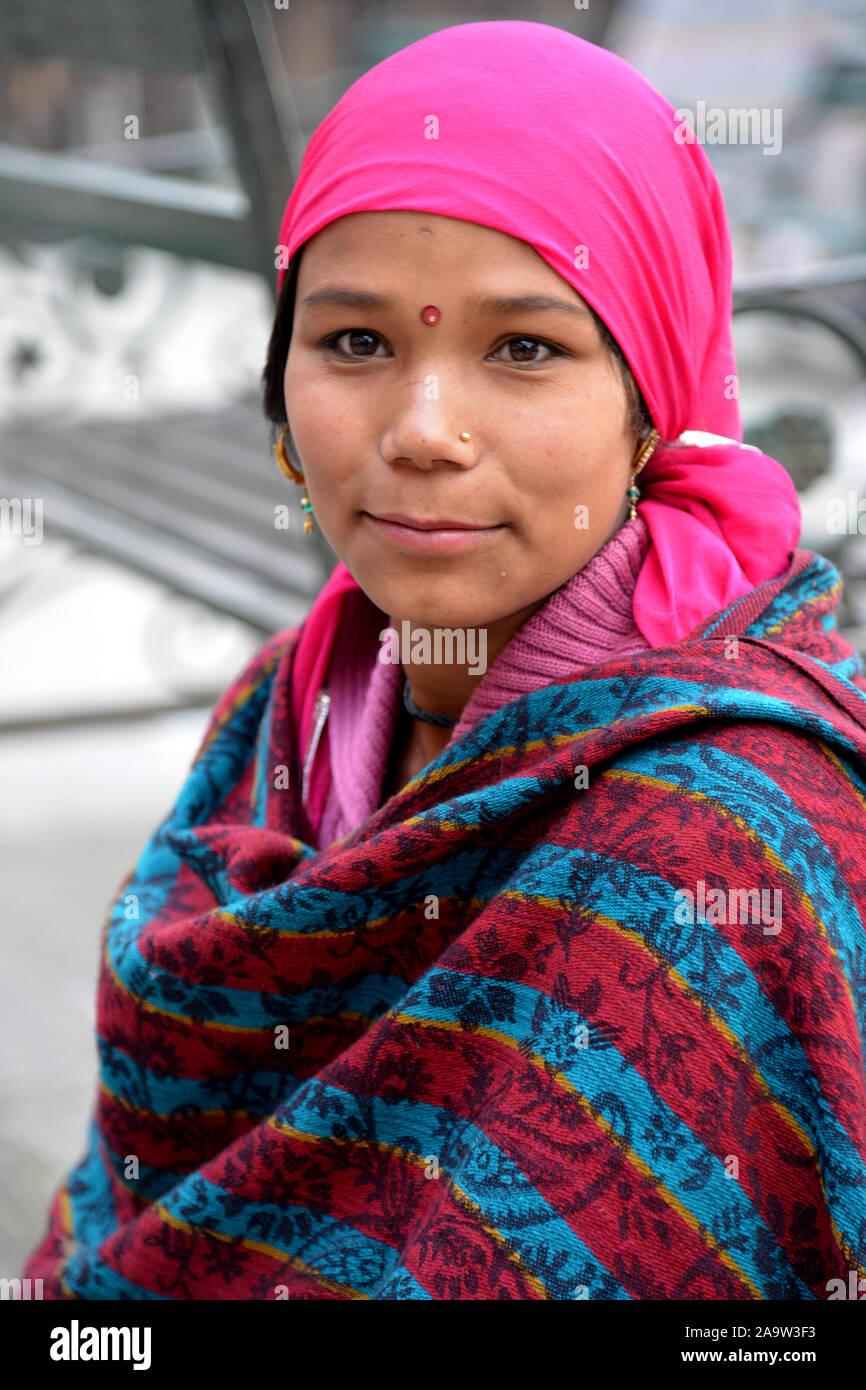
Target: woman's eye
<point>360,342</point>
<point>523,347</point>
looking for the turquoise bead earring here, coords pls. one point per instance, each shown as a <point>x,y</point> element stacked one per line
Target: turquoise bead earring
<point>292,473</point>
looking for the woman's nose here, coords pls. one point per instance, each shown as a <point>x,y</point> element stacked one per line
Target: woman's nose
<point>429,429</point>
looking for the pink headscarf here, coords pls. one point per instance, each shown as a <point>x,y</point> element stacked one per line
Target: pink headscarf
<point>525,128</point>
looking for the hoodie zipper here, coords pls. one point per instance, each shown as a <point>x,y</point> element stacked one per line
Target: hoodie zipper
<point>320,714</point>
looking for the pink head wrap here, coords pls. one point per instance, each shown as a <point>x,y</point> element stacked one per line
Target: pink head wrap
<point>525,128</point>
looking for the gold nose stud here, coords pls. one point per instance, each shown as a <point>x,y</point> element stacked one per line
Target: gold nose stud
<point>465,437</point>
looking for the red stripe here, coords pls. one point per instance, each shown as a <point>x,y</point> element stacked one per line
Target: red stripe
<point>264,960</point>
<point>385,1196</point>
<point>47,1259</point>
<point>797,970</point>
<point>703,1080</point>
<point>192,1049</point>
<point>766,672</point>
<point>176,1263</point>
<point>456,1258</point>
<point>571,1141</point>
<point>180,1142</point>
<point>595,1187</point>
<point>798,776</point>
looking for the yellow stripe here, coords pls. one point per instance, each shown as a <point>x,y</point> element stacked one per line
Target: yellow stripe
<point>474,1210</point>
<point>488,755</point>
<point>837,761</point>
<point>68,1242</point>
<point>715,1019</point>
<point>848,1253</point>
<point>556,740</point>
<point>225,1027</point>
<point>219,917</point>
<point>420,1161</point>
<point>562,1080</point>
<point>359,928</point>
<point>242,696</point>
<point>261,1248</point>
<point>815,598</point>
<point>766,851</point>
<point>181,1115</point>
<point>67,1218</point>
<point>722,1027</point>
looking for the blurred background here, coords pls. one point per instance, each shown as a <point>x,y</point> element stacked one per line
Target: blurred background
<point>146,154</point>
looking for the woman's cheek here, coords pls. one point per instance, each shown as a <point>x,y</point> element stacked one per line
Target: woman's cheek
<point>307,408</point>
<point>309,390</point>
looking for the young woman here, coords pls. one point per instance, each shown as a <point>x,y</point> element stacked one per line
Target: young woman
<point>506,939</point>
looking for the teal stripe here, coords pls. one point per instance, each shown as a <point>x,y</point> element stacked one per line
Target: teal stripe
<point>371,995</point>
<point>488,1176</point>
<point>845,670</point>
<point>90,1198</point>
<point>818,579</point>
<point>645,904</point>
<point>263,769</point>
<point>480,1156</point>
<point>210,778</point>
<point>256,1091</point>
<point>738,786</point>
<point>591,703</point>
<point>331,1247</point>
<point>619,1092</point>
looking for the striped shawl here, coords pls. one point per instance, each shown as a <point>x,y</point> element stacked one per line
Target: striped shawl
<point>579,1013</point>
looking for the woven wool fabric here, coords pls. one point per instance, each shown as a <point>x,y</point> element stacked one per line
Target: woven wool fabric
<point>513,1069</point>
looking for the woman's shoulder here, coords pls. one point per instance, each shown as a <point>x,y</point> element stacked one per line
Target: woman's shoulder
<point>727,754</point>
<point>749,796</point>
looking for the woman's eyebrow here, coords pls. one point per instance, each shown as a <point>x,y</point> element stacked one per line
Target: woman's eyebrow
<point>354,299</point>
<point>489,304</point>
<point>533,303</point>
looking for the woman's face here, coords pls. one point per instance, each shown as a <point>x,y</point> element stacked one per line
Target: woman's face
<point>377,400</point>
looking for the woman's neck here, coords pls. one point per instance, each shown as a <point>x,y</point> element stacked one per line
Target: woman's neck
<point>414,745</point>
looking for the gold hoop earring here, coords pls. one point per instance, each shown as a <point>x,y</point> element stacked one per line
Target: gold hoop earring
<point>640,460</point>
<point>294,476</point>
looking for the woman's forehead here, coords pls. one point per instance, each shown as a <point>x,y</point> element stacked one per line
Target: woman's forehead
<point>394,241</point>
<point>366,229</point>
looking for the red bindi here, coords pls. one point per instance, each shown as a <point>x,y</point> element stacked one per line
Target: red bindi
<point>430,314</point>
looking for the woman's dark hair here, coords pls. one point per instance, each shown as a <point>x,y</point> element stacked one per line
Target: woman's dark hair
<point>273,398</point>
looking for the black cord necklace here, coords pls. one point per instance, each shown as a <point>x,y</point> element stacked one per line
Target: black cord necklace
<point>409,703</point>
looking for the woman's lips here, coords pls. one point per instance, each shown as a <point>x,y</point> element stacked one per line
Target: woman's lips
<point>411,538</point>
